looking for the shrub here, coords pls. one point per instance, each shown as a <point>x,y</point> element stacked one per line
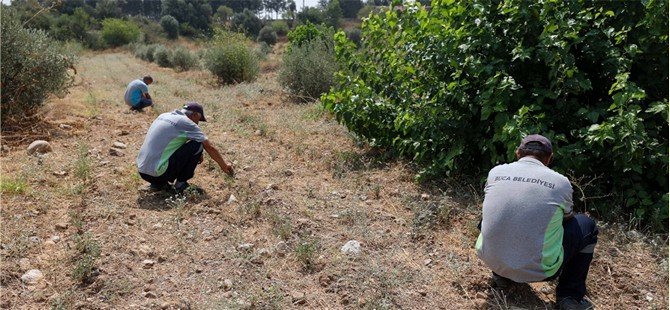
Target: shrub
<point>267,35</point>
<point>187,30</point>
<point>150,30</point>
<point>354,35</point>
<point>592,76</point>
<point>33,67</point>
<point>308,32</point>
<point>365,11</point>
<point>307,70</point>
<point>140,51</point>
<point>183,59</point>
<point>248,23</point>
<point>93,40</point>
<point>171,26</point>
<point>265,49</point>
<point>230,59</point>
<point>222,15</point>
<point>281,27</point>
<point>116,32</point>
<point>150,52</point>
<point>163,56</point>
<point>312,15</point>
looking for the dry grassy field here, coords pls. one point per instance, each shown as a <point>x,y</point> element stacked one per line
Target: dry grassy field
<point>271,236</point>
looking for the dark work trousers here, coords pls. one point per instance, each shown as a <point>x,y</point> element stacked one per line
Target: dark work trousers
<point>144,102</point>
<point>181,164</point>
<point>580,235</point>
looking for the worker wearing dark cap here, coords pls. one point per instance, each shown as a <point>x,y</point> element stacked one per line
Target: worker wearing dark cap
<point>173,147</point>
<point>529,232</point>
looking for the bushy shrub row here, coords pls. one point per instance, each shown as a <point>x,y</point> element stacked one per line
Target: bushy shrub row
<point>33,67</point>
<point>179,58</point>
<point>466,80</point>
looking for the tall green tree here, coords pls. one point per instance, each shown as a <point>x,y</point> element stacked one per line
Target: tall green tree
<point>333,13</point>
<point>108,8</point>
<point>239,6</point>
<point>195,13</point>
<point>171,26</point>
<point>350,7</point>
<point>276,6</point>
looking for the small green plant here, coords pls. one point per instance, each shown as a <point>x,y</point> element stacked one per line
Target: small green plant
<point>346,161</point>
<point>351,217</point>
<point>270,299</point>
<point>64,301</point>
<point>281,225</point>
<point>251,210</point>
<point>178,202</point>
<point>13,186</point>
<point>82,166</point>
<point>18,245</point>
<point>429,216</point>
<point>76,219</point>
<point>306,251</point>
<point>88,250</point>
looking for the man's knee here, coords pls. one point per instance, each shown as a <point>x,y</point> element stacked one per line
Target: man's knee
<point>589,232</point>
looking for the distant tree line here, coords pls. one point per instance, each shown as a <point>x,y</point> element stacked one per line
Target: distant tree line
<point>79,19</point>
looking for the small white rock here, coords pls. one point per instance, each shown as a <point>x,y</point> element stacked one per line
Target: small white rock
<point>245,246</point>
<point>227,285</point>
<point>33,276</point>
<point>116,152</point>
<point>232,199</point>
<point>351,247</point>
<point>147,263</point>
<point>39,147</point>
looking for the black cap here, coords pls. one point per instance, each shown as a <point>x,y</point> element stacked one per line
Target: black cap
<point>196,107</point>
<point>536,142</point>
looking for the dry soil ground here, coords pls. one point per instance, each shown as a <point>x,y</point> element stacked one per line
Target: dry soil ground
<point>303,188</point>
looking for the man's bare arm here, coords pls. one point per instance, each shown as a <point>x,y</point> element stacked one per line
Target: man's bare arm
<point>216,156</point>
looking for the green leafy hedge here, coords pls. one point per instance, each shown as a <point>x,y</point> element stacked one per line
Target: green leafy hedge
<point>465,80</point>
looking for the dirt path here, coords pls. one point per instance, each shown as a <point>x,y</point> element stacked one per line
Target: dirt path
<point>303,188</point>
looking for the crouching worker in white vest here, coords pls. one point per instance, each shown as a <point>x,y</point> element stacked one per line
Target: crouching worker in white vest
<point>529,232</point>
<point>173,148</point>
